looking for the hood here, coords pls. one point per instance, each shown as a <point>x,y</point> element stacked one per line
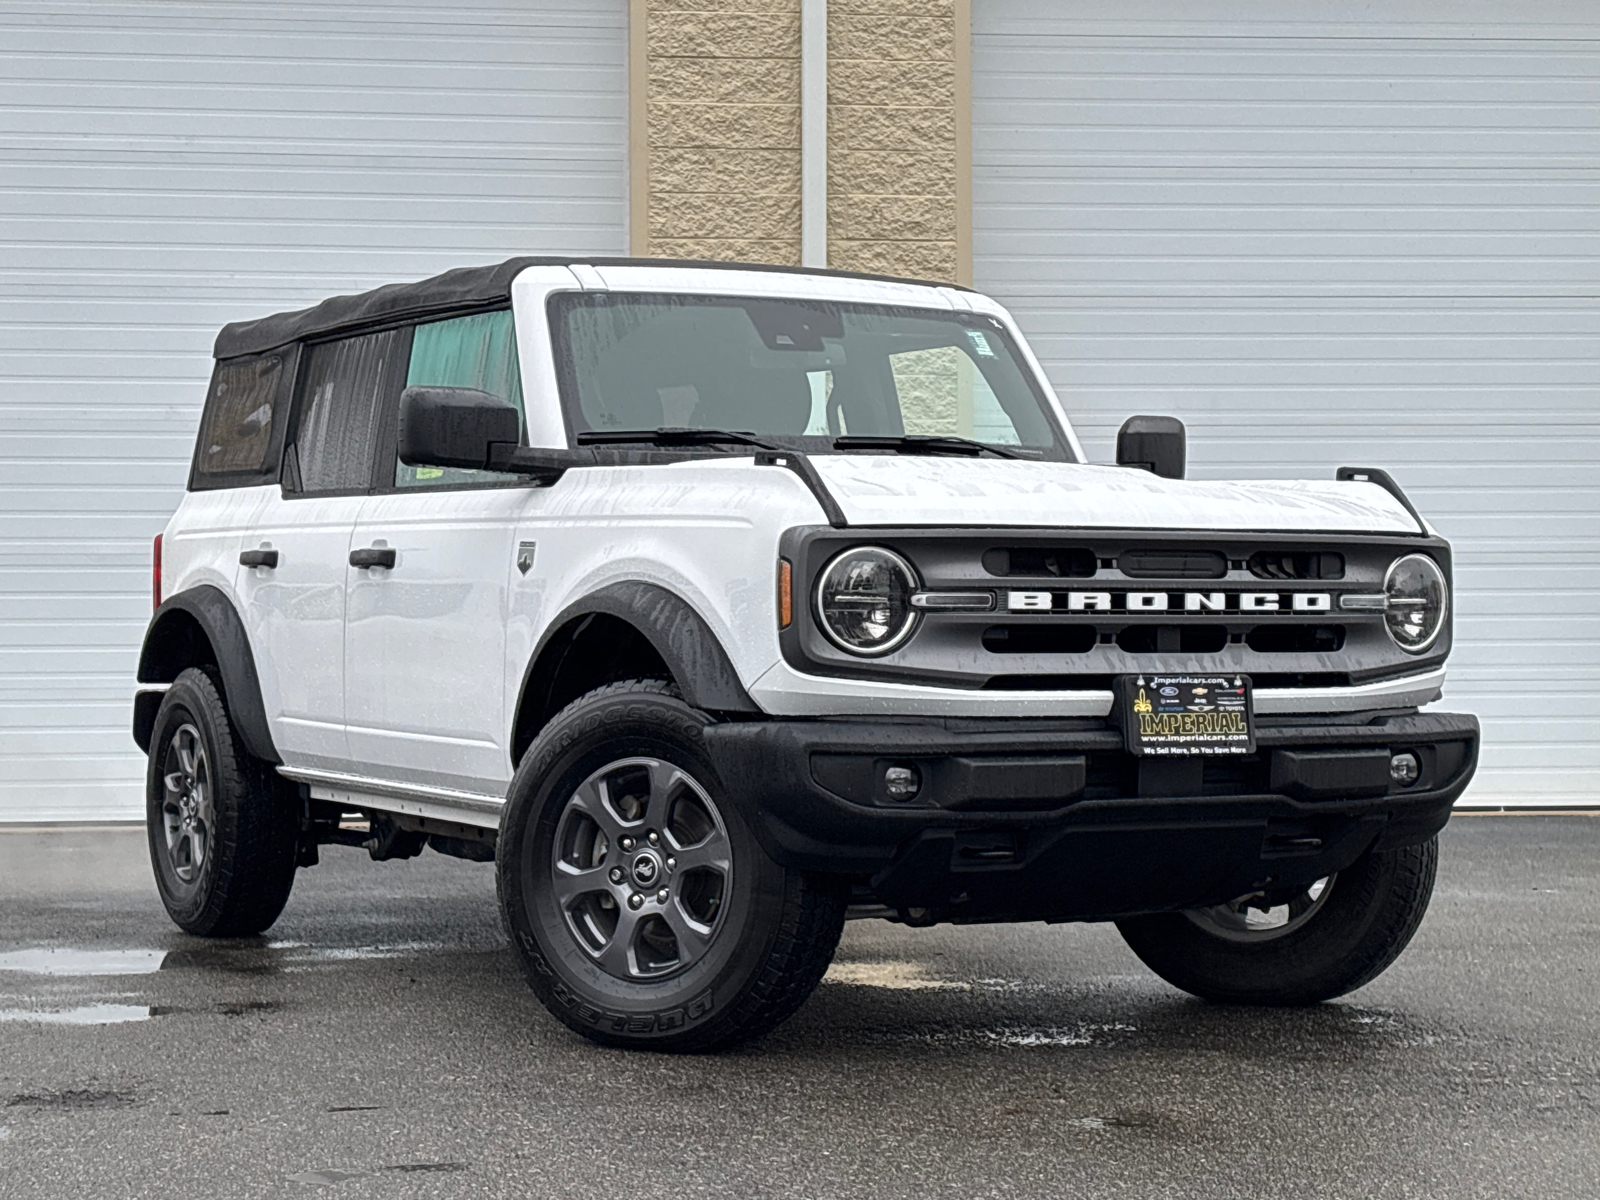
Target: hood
<point>906,490</point>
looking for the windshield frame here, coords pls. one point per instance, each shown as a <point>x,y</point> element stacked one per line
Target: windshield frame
<point>559,303</point>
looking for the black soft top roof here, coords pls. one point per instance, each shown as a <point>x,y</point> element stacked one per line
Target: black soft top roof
<point>463,287</point>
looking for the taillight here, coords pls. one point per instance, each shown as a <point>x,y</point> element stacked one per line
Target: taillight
<point>155,573</point>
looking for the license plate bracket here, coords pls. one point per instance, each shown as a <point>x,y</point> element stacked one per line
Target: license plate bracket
<point>1182,715</point>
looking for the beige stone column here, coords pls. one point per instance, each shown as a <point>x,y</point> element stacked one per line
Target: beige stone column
<point>720,159</point>
<point>715,155</point>
<point>899,121</point>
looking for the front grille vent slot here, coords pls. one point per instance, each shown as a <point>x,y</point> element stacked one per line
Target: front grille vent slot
<point>1296,564</point>
<point>1039,639</point>
<point>1059,562</point>
<point>1173,564</point>
<point>1296,639</point>
<point>1173,639</point>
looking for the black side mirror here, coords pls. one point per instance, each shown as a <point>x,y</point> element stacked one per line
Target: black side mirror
<point>454,427</point>
<point>1157,444</point>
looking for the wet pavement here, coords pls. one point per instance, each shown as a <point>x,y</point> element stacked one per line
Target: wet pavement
<point>380,1043</point>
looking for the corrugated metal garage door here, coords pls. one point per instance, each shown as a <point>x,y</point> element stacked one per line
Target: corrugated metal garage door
<point>1330,233</point>
<point>166,167</point>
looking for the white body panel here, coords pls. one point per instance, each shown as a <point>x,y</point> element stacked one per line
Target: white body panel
<point>890,490</point>
<point>425,642</point>
<point>294,616</point>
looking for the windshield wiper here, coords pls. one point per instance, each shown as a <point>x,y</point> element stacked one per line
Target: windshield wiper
<point>670,437</point>
<point>920,443</point>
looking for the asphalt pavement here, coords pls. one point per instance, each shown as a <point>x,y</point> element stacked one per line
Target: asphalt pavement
<point>379,1042</point>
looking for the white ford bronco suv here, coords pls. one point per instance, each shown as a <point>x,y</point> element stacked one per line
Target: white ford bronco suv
<point>717,603</point>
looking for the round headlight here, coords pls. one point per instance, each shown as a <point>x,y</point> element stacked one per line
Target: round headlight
<point>864,600</point>
<point>1418,600</point>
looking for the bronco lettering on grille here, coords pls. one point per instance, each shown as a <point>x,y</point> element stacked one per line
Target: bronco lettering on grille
<point>1169,602</point>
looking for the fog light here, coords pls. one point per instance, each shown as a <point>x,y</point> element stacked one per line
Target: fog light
<point>1404,769</point>
<point>902,783</point>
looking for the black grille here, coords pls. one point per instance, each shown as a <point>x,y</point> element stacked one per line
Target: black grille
<point>1296,564</point>
<point>1173,639</point>
<point>1295,639</point>
<point>1173,564</point>
<point>1039,639</point>
<point>1059,562</point>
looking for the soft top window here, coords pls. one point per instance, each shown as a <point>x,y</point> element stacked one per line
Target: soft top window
<point>239,431</point>
<point>798,372</point>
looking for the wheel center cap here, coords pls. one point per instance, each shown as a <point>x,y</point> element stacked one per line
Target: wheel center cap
<point>646,869</point>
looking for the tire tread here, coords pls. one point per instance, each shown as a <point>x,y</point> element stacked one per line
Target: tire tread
<point>812,911</point>
<point>253,844</point>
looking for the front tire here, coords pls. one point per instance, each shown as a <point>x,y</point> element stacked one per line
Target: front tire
<point>644,910</point>
<point>222,825</point>
<point>1319,942</point>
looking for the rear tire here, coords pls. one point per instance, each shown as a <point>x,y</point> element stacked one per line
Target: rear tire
<point>1342,936</point>
<point>222,826</point>
<point>644,910</point>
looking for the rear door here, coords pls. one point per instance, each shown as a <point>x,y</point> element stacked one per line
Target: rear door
<point>425,639</point>
<point>295,608</point>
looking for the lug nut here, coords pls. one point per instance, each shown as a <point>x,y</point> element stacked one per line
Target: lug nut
<point>661,896</point>
<point>655,838</point>
<point>636,900</point>
<point>672,864</point>
<point>616,874</point>
<point>627,843</point>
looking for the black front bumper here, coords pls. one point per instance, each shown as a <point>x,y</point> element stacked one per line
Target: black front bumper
<point>1054,820</point>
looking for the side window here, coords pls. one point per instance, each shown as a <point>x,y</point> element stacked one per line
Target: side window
<point>942,392</point>
<point>480,352</point>
<point>343,392</point>
<point>238,443</point>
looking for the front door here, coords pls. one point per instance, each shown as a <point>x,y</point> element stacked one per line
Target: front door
<point>425,639</point>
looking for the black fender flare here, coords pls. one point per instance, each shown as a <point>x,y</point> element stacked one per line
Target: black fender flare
<point>169,649</point>
<point>698,663</point>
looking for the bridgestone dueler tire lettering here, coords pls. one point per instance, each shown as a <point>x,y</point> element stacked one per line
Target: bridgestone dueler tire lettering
<point>1375,907</point>
<point>250,865</point>
<point>778,934</point>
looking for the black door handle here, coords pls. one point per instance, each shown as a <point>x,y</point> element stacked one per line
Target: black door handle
<point>372,556</point>
<point>259,558</point>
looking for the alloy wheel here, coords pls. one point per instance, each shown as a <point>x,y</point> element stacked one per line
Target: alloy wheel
<point>642,868</point>
<point>187,813</point>
<point>1259,917</point>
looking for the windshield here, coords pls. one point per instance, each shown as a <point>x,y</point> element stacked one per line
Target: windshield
<point>795,373</point>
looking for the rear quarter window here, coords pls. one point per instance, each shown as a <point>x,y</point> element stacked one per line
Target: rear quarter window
<point>241,429</point>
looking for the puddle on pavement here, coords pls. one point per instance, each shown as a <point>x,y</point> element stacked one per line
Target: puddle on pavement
<point>1008,1037</point>
<point>319,954</point>
<point>1076,1035</point>
<point>87,1014</point>
<point>900,976</point>
<point>266,957</point>
<point>63,960</point>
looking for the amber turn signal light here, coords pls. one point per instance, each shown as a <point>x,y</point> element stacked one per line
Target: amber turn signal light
<point>785,593</point>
